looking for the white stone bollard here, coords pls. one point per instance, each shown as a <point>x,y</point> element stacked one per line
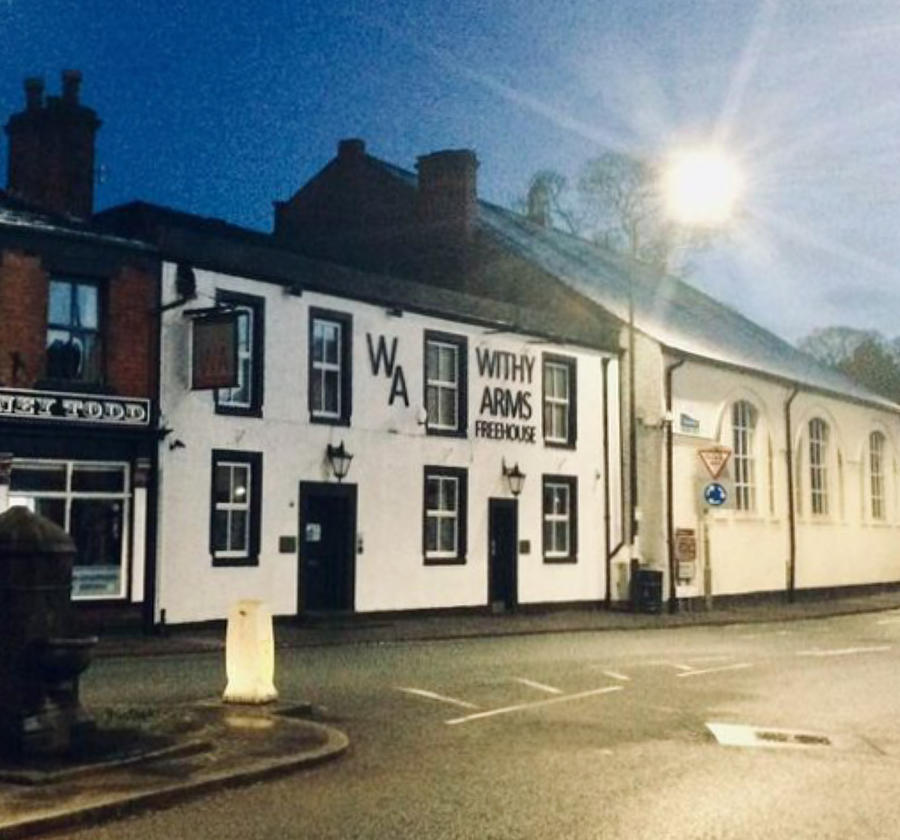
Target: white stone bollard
<point>250,654</point>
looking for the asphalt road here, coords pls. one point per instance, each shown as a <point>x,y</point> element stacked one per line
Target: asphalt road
<point>588,735</point>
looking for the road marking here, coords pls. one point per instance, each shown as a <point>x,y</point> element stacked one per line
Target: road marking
<point>844,651</point>
<point>889,621</point>
<point>740,735</point>
<point>539,686</point>
<point>739,666</point>
<point>431,695</point>
<point>711,658</point>
<point>677,665</point>
<point>521,706</point>
<point>615,675</point>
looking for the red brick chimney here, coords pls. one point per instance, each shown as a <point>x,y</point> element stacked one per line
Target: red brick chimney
<point>51,149</point>
<point>448,194</point>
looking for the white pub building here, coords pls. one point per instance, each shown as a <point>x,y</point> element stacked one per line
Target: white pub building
<point>388,446</point>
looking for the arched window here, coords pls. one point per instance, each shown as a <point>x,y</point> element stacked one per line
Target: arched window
<point>818,466</point>
<point>876,475</point>
<point>743,426</point>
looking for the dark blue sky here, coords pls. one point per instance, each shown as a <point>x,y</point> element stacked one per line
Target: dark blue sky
<point>221,108</point>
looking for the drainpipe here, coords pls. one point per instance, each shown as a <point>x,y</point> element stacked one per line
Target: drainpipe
<point>792,524</point>
<point>606,508</point>
<point>670,485</point>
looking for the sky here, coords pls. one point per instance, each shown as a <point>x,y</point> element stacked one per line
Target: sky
<point>222,108</point>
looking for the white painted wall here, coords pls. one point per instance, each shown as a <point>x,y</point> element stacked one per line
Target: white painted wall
<point>390,448</point>
<point>749,551</point>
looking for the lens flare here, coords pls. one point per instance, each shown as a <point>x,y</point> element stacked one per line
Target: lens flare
<point>702,186</point>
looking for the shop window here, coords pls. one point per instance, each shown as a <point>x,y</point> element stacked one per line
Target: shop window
<point>74,345</point>
<point>560,519</point>
<point>876,476</point>
<point>236,507</point>
<point>444,515</point>
<point>818,466</point>
<point>446,383</point>
<point>246,397</point>
<point>743,430</point>
<point>89,501</point>
<point>330,366</point>
<point>559,377</point>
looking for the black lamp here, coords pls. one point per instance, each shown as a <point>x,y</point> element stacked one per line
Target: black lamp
<point>515,477</point>
<point>340,459</point>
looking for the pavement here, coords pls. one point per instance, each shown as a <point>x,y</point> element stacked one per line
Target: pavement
<point>398,628</point>
<point>213,745</point>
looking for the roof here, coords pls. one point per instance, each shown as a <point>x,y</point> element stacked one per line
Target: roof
<point>217,245</point>
<point>18,216</point>
<point>674,313</point>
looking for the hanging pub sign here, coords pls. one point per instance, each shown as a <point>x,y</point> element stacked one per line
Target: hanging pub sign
<point>214,351</point>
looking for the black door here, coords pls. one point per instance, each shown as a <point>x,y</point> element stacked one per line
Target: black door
<point>327,546</point>
<point>503,537</point>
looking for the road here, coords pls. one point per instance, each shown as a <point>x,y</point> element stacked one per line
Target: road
<point>585,735</point>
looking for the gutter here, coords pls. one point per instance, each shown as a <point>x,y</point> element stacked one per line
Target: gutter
<point>792,524</point>
<point>670,484</point>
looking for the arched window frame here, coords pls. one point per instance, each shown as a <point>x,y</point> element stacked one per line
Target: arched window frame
<point>744,424</point>
<point>818,452</point>
<point>877,461</point>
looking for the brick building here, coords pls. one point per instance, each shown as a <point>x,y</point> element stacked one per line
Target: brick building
<point>78,353</point>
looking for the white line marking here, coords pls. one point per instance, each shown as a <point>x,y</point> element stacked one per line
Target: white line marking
<point>844,651</point>
<point>677,665</point>
<point>539,686</point>
<point>520,706</point>
<point>715,658</point>
<point>738,667</point>
<point>431,695</point>
<point>615,675</point>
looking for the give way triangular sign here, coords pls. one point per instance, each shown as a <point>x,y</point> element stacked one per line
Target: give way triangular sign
<point>715,459</point>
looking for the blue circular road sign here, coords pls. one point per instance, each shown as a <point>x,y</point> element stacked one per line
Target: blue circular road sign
<point>715,494</point>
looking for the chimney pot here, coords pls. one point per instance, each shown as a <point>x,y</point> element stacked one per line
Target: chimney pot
<point>71,81</point>
<point>351,148</point>
<point>34,92</point>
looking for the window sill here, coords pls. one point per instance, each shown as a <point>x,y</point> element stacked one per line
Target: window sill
<point>329,421</point>
<point>454,433</point>
<point>559,444</point>
<point>444,561</point>
<point>224,562</point>
<point>234,411</point>
<point>561,560</point>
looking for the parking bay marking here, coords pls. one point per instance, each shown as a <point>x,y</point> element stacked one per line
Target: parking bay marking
<point>539,686</point>
<point>843,651</point>
<point>505,710</point>
<point>431,695</point>
<point>698,673</point>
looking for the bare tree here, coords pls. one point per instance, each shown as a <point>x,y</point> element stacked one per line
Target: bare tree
<point>836,345</point>
<point>617,202</point>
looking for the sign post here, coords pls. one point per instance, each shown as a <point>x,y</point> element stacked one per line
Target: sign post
<point>714,460</point>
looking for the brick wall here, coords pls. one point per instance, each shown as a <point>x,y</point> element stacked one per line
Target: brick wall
<point>23,318</point>
<point>128,338</point>
<point>130,366</point>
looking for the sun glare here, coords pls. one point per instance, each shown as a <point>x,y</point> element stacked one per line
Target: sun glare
<point>701,187</point>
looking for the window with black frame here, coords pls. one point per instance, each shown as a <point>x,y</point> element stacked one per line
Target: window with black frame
<point>74,345</point>
<point>446,383</point>
<point>235,508</point>
<point>330,367</point>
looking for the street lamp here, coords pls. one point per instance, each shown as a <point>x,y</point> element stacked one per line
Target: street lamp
<point>515,477</point>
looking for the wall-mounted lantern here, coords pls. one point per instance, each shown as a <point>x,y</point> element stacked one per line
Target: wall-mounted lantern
<point>340,459</point>
<point>515,477</point>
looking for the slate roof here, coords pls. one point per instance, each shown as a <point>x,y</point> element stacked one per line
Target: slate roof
<point>217,245</point>
<point>674,313</point>
<point>18,217</point>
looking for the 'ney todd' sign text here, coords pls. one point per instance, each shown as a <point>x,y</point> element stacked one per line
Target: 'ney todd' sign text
<point>84,408</point>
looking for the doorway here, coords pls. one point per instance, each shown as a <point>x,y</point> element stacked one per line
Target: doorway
<point>503,553</point>
<point>327,541</point>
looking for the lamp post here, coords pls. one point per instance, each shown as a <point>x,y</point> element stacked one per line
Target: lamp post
<point>515,477</point>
